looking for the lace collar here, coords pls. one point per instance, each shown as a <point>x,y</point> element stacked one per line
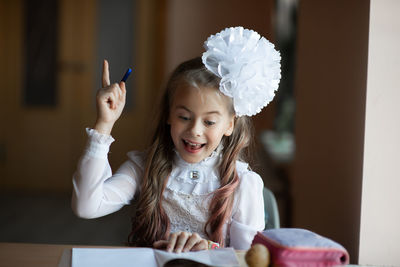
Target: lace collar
<point>195,178</point>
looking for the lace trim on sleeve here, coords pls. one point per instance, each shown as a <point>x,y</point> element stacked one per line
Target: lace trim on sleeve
<point>99,137</point>
<point>242,235</point>
<point>98,144</point>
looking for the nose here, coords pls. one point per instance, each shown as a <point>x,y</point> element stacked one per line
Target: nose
<point>196,128</point>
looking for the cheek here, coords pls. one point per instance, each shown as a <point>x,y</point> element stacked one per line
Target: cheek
<point>216,135</point>
<point>172,129</point>
<point>176,129</point>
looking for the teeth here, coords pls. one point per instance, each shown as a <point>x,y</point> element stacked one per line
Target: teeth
<point>192,145</point>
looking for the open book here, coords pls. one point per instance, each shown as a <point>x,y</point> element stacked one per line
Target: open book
<point>124,257</point>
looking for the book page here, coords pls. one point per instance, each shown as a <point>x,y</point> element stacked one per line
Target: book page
<point>215,257</point>
<point>116,257</point>
<point>131,257</point>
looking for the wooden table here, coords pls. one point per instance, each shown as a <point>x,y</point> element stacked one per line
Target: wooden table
<point>23,254</point>
<point>46,255</point>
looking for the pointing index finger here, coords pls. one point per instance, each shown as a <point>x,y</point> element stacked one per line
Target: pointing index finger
<point>106,74</point>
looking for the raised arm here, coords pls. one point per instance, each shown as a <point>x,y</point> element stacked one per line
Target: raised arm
<point>96,190</point>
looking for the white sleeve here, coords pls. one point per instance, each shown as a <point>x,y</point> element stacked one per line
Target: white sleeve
<point>248,215</point>
<point>96,191</point>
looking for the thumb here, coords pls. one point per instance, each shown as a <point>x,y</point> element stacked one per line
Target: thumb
<point>122,86</point>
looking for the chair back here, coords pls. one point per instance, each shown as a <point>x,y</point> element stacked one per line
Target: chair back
<point>271,210</point>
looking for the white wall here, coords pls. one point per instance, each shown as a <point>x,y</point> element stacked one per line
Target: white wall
<point>380,212</point>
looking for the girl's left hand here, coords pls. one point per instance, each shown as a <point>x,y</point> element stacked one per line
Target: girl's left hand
<point>182,242</point>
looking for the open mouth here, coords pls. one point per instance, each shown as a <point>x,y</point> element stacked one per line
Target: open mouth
<point>192,147</point>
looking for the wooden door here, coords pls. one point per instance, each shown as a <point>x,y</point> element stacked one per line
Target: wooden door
<point>40,146</point>
<point>40,143</point>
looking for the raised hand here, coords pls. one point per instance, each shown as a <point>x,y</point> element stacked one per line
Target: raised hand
<point>182,242</point>
<point>110,102</point>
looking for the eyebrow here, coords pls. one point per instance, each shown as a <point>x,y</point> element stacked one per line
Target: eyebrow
<point>188,110</point>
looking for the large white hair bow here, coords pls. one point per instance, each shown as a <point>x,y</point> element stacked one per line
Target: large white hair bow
<point>248,65</point>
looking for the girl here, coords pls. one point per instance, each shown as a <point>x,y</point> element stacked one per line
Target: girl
<point>191,188</point>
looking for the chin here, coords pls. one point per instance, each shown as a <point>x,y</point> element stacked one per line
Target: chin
<point>192,160</point>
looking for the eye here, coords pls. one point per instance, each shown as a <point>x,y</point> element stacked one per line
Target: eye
<point>183,118</point>
<point>209,123</point>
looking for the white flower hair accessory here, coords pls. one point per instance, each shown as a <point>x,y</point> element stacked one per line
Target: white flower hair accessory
<point>249,68</point>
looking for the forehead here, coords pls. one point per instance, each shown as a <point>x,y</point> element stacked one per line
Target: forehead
<point>200,99</point>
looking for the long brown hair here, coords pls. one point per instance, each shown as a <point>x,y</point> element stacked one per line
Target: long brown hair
<point>151,223</point>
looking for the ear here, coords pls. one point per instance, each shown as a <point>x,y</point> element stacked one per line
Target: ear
<point>231,126</point>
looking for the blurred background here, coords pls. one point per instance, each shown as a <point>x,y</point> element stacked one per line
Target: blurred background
<point>309,139</point>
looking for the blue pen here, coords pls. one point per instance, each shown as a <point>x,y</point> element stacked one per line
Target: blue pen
<point>127,73</point>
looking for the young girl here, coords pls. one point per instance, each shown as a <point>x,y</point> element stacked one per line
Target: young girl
<point>191,188</point>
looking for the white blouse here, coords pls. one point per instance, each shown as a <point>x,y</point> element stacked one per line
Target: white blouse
<point>189,190</point>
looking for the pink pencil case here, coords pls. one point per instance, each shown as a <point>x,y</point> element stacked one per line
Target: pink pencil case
<point>299,247</point>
